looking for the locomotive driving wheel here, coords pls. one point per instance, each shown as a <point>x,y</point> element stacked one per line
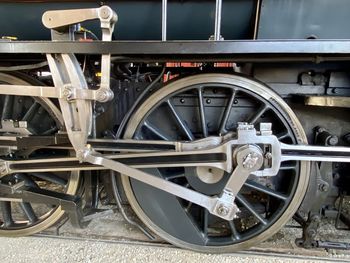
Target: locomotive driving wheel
<point>29,116</point>
<point>205,105</point>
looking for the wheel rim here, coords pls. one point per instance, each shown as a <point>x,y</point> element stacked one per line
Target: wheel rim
<point>43,118</point>
<point>169,216</point>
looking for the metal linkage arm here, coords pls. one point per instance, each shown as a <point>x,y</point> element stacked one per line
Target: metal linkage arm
<point>160,183</point>
<point>64,92</point>
<point>68,90</point>
<point>206,158</point>
<point>208,152</point>
<point>314,153</point>
<point>222,206</point>
<point>61,18</point>
<point>108,18</point>
<point>20,192</point>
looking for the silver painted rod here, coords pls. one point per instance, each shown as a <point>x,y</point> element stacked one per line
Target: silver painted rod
<point>164,18</point>
<point>218,9</point>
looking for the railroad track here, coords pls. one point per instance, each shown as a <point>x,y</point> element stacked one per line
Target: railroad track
<point>117,231</point>
<point>253,252</point>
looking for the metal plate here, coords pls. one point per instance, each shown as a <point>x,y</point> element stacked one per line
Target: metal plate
<point>298,19</point>
<point>138,19</point>
<point>302,50</point>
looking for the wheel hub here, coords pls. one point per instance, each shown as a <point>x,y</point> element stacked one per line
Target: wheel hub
<point>209,175</point>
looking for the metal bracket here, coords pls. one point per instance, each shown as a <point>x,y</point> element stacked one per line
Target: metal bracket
<point>108,18</point>
<point>57,19</point>
<point>309,231</point>
<point>77,114</point>
<point>67,73</point>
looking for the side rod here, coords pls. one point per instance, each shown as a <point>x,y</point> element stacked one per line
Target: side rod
<point>214,157</point>
<point>314,153</point>
<point>209,158</point>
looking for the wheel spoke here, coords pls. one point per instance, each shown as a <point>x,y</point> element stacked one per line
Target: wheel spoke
<point>227,112</point>
<point>264,189</point>
<point>202,113</point>
<point>50,131</point>
<point>51,177</point>
<point>29,212</point>
<point>156,131</point>
<point>17,107</point>
<point>31,111</point>
<point>288,167</point>
<point>6,213</point>
<point>205,222</point>
<point>258,114</point>
<point>282,136</point>
<point>182,125</point>
<point>29,181</point>
<point>7,108</point>
<point>172,177</point>
<point>234,230</point>
<point>188,207</point>
<point>251,209</point>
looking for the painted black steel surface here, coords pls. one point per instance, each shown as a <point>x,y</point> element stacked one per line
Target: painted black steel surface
<point>138,19</point>
<point>300,19</point>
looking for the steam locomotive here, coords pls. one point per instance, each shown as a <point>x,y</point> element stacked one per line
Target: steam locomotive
<point>217,122</point>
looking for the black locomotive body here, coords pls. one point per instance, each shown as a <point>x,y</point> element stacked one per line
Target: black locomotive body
<point>216,121</point>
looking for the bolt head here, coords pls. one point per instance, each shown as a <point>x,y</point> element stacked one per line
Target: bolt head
<point>223,210</point>
<point>323,187</point>
<point>104,95</point>
<point>250,160</point>
<point>67,93</point>
<point>333,140</point>
<point>268,155</point>
<point>249,157</point>
<point>105,12</point>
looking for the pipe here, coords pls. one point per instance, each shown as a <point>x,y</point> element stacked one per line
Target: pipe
<point>164,19</point>
<point>218,9</point>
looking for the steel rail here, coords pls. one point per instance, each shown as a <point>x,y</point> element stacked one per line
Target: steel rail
<point>252,252</point>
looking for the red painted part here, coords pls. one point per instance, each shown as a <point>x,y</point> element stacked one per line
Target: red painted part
<point>170,76</point>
